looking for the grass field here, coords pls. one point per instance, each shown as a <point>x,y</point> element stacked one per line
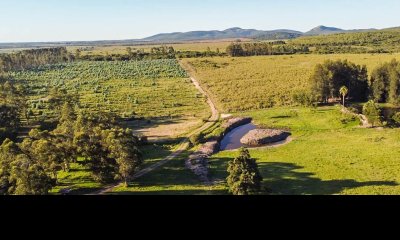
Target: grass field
<point>171,179</point>
<point>158,90</point>
<point>249,83</point>
<point>326,156</point>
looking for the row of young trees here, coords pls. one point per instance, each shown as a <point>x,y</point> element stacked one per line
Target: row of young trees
<point>383,86</point>
<point>27,59</point>
<point>162,52</point>
<point>263,48</point>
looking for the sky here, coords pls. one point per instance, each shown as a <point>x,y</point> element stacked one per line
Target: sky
<point>72,20</point>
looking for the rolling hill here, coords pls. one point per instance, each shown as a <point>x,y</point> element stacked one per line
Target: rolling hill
<point>226,34</point>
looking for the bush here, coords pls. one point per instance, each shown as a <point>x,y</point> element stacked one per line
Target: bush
<point>353,110</point>
<point>372,111</point>
<point>304,98</point>
<point>396,117</point>
<point>347,118</point>
<point>196,139</point>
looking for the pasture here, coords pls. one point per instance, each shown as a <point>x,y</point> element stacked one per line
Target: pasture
<point>249,83</point>
<point>326,157</point>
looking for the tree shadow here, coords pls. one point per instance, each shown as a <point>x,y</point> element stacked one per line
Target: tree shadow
<point>171,179</point>
<point>285,179</point>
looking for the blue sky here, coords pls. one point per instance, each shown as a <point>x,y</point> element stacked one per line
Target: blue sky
<point>55,20</point>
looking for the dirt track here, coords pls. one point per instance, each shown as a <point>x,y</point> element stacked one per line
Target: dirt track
<point>183,146</point>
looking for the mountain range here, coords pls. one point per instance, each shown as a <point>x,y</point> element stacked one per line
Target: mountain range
<point>246,33</point>
<point>176,37</point>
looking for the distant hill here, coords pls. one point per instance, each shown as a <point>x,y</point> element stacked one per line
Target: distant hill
<point>178,37</point>
<point>226,34</point>
<point>324,30</point>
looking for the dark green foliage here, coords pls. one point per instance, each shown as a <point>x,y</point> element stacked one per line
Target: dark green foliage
<point>372,111</point>
<point>163,52</point>
<point>235,50</point>
<point>12,106</point>
<point>361,42</point>
<point>396,117</point>
<point>263,48</point>
<point>304,98</point>
<point>20,173</point>
<point>330,77</point>
<point>385,83</point>
<point>27,59</point>
<point>110,152</point>
<point>196,139</point>
<point>244,177</point>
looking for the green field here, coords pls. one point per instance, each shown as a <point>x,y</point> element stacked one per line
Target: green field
<point>158,88</point>
<point>171,179</point>
<point>249,83</point>
<point>326,156</point>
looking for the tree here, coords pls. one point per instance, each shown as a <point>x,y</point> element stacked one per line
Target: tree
<point>78,53</point>
<point>129,51</point>
<point>372,112</point>
<point>235,50</point>
<point>20,174</point>
<point>123,146</point>
<point>329,77</point>
<point>320,81</point>
<point>244,177</point>
<point>344,91</point>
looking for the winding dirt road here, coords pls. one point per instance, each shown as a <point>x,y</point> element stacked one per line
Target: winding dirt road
<point>183,146</point>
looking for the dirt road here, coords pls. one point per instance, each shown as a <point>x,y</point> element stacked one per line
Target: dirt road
<point>183,146</point>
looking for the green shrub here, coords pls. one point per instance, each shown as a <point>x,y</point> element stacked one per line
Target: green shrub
<point>372,111</point>
<point>196,139</point>
<point>396,117</point>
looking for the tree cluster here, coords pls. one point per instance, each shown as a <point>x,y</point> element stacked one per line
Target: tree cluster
<point>263,48</point>
<point>162,52</point>
<point>361,42</point>
<point>328,78</point>
<point>28,59</point>
<point>385,83</point>
<point>12,106</point>
<point>96,141</point>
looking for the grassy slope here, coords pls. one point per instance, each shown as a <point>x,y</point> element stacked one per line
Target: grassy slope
<point>242,84</point>
<point>326,157</point>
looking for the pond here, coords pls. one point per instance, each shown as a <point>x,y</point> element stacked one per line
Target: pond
<point>232,140</point>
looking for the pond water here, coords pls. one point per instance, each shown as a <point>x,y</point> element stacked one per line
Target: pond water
<point>232,140</point>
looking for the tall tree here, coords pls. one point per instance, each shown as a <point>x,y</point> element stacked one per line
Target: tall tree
<point>244,177</point>
<point>344,91</point>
